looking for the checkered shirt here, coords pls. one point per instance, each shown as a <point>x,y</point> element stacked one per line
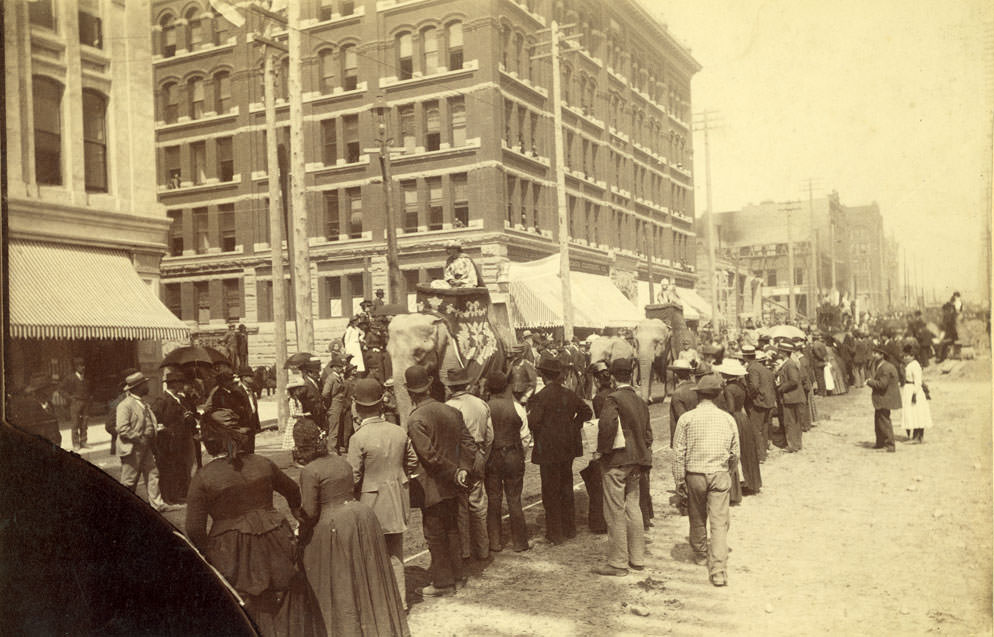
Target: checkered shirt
<point>705,439</point>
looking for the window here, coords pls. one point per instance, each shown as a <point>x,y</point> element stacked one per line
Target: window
<point>172,298</point>
<point>174,177</point>
<point>508,120</point>
<point>509,198</point>
<point>454,38</point>
<point>326,9</point>
<point>226,221</point>
<point>201,235</point>
<point>411,280</point>
<point>41,13</point>
<point>355,293</point>
<point>354,196</point>
<point>350,68</point>
<point>202,296</point>
<point>523,205</point>
<point>220,28</point>
<point>222,92</point>
<point>262,221</point>
<point>194,29</point>
<point>798,276</point>
<point>536,210</point>
<point>168,26</point>
<point>410,190</point>
<point>333,297</point>
<point>90,29</point>
<point>175,233</point>
<point>405,60</point>
<point>771,277</point>
<point>95,141</point>
<point>232,298</point>
<point>347,7</point>
<point>433,126</point>
<point>195,91</point>
<point>429,42</point>
<point>329,137</point>
<point>457,111</point>
<point>519,53</point>
<point>332,226</point>
<point>170,102</point>
<point>198,161</point>
<point>460,200</point>
<point>406,113</point>
<point>327,60</point>
<point>435,203</point>
<point>284,80</point>
<point>47,97</point>
<point>350,131</point>
<point>534,135</point>
<point>225,159</point>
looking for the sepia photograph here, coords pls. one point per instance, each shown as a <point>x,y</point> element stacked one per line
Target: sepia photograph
<point>595,317</point>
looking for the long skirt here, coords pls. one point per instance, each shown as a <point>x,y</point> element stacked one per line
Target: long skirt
<point>749,459</point>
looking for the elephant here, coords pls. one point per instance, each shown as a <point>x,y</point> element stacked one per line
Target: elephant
<point>652,337</point>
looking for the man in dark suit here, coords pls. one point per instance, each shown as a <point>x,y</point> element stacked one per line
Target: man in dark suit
<point>788,382</point>
<point>593,474</point>
<point>505,467</point>
<point>886,396</point>
<point>683,398</point>
<point>174,442</point>
<point>761,397</point>
<point>446,451</point>
<point>623,465</point>
<point>77,386</point>
<point>555,417</point>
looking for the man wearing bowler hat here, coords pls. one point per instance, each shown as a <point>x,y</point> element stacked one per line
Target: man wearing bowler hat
<point>174,441</point>
<point>555,417</point>
<point>788,383</point>
<point>886,396</point>
<point>683,398</point>
<point>446,451</point>
<point>706,439</point>
<point>761,397</point>
<point>136,429</point>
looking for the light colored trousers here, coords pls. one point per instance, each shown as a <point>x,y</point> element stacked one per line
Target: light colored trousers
<point>625,532</point>
<point>140,463</point>
<point>472,520</point>
<point>708,502</point>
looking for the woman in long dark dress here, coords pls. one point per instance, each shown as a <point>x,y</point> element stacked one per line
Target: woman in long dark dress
<point>250,543</point>
<point>734,398</point>
<point>344,553</point>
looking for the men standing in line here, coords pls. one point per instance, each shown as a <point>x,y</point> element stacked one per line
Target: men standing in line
<point>555,416</point>
<point>77,386</point>
<point>446,451</point>
<point>505,467</point>
<point>706,439</point>
<point>136,428</point>
<point>174,442</point>
<point>473,503</point>
<point>788,382</point>
<point>521,374</point>
<point>806,369</point>
<point>761,397</point>
<point>593,474</point>
<point>886,396</point>
<point>624,456</point>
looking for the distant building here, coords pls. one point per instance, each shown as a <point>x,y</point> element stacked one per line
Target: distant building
<point>868,257</point>
<point>740,290</point>
<point>468,107</point>
<point>85,230</point>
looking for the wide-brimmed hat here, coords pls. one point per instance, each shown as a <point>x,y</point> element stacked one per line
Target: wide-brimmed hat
<point>708,385</point>
<point>681,365</point>
<point>599,367</point>
<point>245,370</point>
<point>748,351</point>
<point>365,302</point>
<point>621,365</point>
<point>455,376</point>
<point>550,364</point>
<point>453,243</point>
<point>526,334</point>
<point>417,379</point>
<point>134,380</point>
<point>298,360</point>
<point>496,382</point>
<point>367,392</point>
<point>730,367</point>
<point>710,349</point>
<point>295,380</point>
<point>785,346</point>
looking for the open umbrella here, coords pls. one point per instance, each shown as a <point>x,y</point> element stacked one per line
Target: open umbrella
<point>785,331</point>
<point>192,355</point>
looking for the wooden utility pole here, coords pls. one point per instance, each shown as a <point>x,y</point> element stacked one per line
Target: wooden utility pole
<point>560,159</point>
<point>394,277</point>
<point>300,258</point>
<point>789,208</point>
<point>813,283</point>
<point>706,125</point>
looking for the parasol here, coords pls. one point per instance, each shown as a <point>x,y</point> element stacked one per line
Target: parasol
<point>193,355</point>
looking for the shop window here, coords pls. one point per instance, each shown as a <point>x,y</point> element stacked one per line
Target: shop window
<point>47,98</point>
<point>356,292</point>
<point>332,306</point>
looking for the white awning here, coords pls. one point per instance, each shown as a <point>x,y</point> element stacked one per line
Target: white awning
<point>70,292</point>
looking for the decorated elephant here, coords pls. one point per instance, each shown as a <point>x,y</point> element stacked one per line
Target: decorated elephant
<point>652,337</point>
<point>454,330</point>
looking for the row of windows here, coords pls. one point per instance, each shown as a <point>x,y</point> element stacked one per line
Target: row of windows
<point>196,169</point>
<point>201,28</point>
<point>42,13</point>
<point>48,139</point>
<point>195,99</point>
<point>201,239</point>
<point>436,51</point>
<point>427,207</point>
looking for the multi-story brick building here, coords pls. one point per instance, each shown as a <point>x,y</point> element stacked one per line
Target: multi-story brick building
<point>460,91</point>
<point>868,258</point>
<point>84,228</point>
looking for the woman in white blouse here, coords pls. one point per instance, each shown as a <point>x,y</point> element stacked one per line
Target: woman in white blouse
<point>915,411</point>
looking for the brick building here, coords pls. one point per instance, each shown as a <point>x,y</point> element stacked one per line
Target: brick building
<point>471,109</point>
<point>868,257</point>
<point>85,231</point>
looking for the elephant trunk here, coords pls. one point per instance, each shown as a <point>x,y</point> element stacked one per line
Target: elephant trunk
<point>645,359</point>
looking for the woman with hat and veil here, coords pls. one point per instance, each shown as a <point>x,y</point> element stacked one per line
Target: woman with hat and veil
<point>250,543</point>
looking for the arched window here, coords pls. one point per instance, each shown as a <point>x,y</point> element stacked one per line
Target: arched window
<point>429,50</point>
<point>169,102</point>
<point>222,92</point>
<point>95,141</point>
<point>453,37</point>
<point>327,69</point>
<point>194,28</point>
<point>195,95</point>
<point>168,26</point>
<point>47,98</point>
<point>405,56</point>
<point>220,26</point>
<point>350,67</point>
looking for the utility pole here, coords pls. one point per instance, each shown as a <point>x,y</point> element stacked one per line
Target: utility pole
<point>275,225</point>
<point>789,207</point>
<point>557,127</point>
<point>394,276</point>
<point>651,250</point>
<point>706,124</point>
<point>813,283</point>
<point>298,174</point>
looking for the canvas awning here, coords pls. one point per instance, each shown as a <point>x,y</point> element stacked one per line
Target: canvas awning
<point>693,300</point>
<point>70,292</point>
<point>536,298</point>
<point>690,313</point>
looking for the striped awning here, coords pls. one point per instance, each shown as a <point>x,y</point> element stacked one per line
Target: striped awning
<point>70,292</point>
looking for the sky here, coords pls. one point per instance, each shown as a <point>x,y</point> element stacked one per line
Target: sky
<point>881,100</point>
